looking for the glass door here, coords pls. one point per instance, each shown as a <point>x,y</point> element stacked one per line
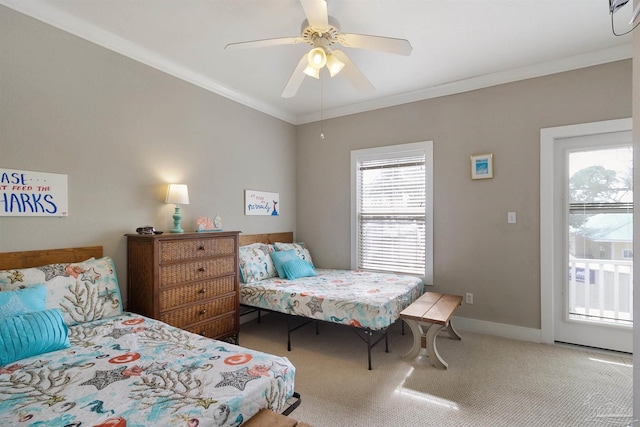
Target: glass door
<point>595,307</point>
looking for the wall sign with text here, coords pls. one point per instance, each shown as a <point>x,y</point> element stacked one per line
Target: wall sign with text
<point>261,203</point>
<point>27,193</point>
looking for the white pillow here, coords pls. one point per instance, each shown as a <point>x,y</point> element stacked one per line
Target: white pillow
<point>83,291</point>
<point>255,262</point>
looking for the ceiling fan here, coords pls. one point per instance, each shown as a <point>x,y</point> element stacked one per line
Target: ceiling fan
<point>322,32</point>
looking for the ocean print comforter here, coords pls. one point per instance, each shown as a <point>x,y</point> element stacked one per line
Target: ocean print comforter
<point>133,371</point>
<point>351,297</point>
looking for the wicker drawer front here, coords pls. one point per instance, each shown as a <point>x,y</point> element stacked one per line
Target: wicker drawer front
<point>173,297</point>
<point>188,280</point>
<point>199,312</point>
<point>177,250</point>
<point>196,270</point>
<point>216,328</point>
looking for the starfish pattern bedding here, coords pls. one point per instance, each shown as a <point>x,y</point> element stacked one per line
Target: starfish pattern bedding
<point>357,298</point>
<point>130,370</point>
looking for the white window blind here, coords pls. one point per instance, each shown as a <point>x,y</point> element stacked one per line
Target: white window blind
<point>391,217</point>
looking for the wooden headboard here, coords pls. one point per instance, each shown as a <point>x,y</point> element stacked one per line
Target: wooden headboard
<point>27,259</point>
<point>270,238</point>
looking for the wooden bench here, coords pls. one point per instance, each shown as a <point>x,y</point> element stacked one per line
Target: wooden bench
<point>426,316</point>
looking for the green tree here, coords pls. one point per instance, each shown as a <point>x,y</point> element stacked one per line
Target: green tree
<point>595,184</point>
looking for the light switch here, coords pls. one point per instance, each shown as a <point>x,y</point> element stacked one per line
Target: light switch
<point>511,217</point>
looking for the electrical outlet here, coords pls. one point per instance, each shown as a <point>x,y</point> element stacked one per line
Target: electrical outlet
<point>469,298</point>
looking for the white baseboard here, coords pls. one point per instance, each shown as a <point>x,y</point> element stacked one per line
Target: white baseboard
<point>498,329</point>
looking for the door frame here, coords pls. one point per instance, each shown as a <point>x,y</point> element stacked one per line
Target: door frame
<point>550,224</point>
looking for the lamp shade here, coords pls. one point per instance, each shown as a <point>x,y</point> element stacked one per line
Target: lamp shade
<point>317,58</point>
<point>312,72</point>
<point>177,194</point>
<point>334,65</point>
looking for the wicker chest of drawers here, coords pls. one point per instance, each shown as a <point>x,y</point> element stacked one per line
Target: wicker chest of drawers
<point>187,280</point>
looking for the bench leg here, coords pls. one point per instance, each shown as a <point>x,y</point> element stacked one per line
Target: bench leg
<point>430,332</point>
<point>417,334</point>
<point>432,350</point>
<point>453,334</point>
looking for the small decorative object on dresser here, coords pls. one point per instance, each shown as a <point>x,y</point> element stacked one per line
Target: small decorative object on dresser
<point>187,280</point>
<point>205,224</point>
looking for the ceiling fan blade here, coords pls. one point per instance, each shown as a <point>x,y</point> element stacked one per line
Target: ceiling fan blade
<point>264,43</point>
<point>353,74</point>
<point>316,13</point>
<point>296,79</point>
<point>381,44</point>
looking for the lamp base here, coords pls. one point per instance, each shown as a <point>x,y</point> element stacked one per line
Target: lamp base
<point>177,217</point>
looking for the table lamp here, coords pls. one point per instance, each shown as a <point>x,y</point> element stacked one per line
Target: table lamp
<point>178,194</point>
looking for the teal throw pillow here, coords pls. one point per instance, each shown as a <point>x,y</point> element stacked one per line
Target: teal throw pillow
<point>300,248</point>
<point>31,334</point>
<point>20,301</point>
<point>281,257</point>
<point>298,268</point>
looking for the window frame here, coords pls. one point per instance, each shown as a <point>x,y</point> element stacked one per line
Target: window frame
<point>391,151</point>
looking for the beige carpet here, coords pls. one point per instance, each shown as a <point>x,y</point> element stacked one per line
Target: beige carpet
<point>491,381</point>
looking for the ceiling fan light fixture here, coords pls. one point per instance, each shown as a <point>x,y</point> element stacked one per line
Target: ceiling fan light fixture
<point>317,58</point>
<point>312,72</point>
<point>334,65</point>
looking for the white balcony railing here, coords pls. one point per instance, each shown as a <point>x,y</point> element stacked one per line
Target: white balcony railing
<point>601,290</point>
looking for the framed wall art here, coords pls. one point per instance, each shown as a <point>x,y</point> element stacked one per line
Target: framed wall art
<point>29,193</point>
<point>261,203</point>
<point>482,166</point>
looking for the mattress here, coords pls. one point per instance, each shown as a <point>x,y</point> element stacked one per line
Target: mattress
<point>130,370</point>
<point>352,297</point>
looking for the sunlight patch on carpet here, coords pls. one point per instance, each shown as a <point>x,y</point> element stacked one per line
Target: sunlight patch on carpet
<point>593,359</point>
<point>401,390</point>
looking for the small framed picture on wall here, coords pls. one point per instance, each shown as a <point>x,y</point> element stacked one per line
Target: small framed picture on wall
<point>482,166</point>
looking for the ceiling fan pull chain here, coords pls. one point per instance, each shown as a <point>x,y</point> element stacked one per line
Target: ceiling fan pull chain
<point>321,109</point>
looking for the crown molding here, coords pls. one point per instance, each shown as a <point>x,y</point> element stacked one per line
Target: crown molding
<point>575,62</point>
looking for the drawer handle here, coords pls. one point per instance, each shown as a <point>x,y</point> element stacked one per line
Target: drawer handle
<point>203,312</point>
<point>201,291</point>
<point>201,269</point>
<point>201,248</point>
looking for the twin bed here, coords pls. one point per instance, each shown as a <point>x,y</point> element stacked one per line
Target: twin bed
<point>369,302</point>
<point>82,361</point>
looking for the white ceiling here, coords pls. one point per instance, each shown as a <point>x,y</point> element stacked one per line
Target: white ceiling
<point>458,45</point>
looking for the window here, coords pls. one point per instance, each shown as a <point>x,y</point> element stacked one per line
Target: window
<point>392,209</point>
<point>601,202</point>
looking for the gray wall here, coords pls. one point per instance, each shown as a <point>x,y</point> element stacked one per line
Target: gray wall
<point>121,131</point>
<point>475,249</point>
